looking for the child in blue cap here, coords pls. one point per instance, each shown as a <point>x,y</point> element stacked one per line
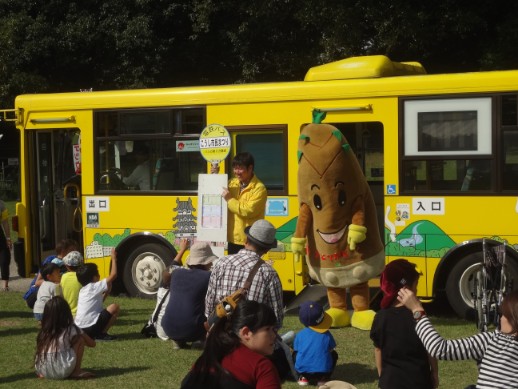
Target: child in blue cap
<point>314,354</point>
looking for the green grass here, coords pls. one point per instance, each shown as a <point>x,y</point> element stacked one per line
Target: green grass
<point>138,362</point>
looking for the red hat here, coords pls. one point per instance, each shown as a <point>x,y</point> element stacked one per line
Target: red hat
<point>397,274</point>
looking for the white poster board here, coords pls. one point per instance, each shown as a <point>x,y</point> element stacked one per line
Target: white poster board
<point>212,208</point>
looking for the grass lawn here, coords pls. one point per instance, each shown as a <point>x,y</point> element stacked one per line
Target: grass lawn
<point>137,362</point>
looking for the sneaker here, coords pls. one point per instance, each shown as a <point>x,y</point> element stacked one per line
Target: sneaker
<point>303,381</point>
<point>105,337</point>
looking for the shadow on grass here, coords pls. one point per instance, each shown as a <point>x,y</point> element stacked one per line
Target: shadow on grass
<point>136,311</point>
<point>18,377</point>
<point>99,373</point>
<point>17,314</point>
<point>17,331</point>
<point>131,336</point>
<point>128,321</point>
<point>117,371</point>
<point>355,373</point>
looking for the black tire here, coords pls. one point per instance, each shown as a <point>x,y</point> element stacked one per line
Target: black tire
<point>460,284</point>
<point>143,270</point>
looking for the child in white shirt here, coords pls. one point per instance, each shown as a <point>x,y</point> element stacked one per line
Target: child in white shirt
<point>90,316</point>
<point>51,275</point>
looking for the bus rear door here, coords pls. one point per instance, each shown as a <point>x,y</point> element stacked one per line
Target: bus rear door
<point>52,190</point>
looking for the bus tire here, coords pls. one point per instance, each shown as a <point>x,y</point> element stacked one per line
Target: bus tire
<point>460,284</point>
<point>143,270</point>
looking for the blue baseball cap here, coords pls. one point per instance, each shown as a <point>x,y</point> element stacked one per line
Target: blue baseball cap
<point>57,261</point>
<point>312,315</point>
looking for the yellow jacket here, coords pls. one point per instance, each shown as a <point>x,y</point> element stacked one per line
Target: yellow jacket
<point>244,208</point>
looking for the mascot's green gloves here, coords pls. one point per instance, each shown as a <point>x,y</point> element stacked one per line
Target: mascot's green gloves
<point>356,235</point>
<point>298,248</point>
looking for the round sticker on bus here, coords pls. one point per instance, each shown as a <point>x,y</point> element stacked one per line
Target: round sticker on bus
<point>214,143</point>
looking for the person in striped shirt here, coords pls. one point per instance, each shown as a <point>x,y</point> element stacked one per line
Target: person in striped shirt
<point>497,351</point>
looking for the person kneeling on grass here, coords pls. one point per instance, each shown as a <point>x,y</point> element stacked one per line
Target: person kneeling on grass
<point>90,316</point>
<point>60,343</point>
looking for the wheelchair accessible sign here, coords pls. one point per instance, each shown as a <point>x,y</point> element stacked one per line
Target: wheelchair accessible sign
<point>214,143</point>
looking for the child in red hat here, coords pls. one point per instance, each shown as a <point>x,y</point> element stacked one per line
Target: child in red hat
<point>401,358</point>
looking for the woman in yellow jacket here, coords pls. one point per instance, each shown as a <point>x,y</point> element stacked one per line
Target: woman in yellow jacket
<point>246,199</point>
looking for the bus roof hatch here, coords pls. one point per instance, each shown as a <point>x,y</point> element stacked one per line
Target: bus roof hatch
<point>372,66</point>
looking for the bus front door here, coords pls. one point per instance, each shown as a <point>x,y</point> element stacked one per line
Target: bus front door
<point>53,190</point>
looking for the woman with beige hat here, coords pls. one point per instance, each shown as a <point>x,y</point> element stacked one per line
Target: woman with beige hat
<point>184,316</point>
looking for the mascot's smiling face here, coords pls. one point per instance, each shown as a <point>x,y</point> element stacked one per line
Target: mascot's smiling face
<point>330,183</point>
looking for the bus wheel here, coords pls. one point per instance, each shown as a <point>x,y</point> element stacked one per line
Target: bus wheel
<point>461,282</point>
<point>143,269</point>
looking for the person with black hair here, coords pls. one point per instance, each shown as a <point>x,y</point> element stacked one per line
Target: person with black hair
<point>140,177</point>
<point>60,343</point>
<point>246,200</point>
<point>230,273</point>
<point>235,351</point>
<point>90,316</point>
<point>48,289</point>
<point>63,247</point>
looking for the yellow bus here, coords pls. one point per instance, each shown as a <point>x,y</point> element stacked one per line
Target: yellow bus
<point>440,153</point>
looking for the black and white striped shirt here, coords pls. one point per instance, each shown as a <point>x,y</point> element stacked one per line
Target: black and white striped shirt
<point>498,353</point>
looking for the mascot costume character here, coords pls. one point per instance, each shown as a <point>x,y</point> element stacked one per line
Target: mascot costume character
<point>337,229</point>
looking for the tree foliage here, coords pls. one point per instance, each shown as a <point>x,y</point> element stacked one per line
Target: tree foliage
<point>57,45</point>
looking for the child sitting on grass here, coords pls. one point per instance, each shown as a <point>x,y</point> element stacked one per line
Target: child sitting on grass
<point>91,317</point>
<point>70,286</point>
<point>314,346</point>
<point>49,288</point>
<point>62,248</point>
<point>60,343</point>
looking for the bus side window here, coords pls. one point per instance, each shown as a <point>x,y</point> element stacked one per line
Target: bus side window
<point>477,175</point>
<point>165,176</point>
<point>510,159</point>
<point>268,147</point>
<point>149,149</point>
